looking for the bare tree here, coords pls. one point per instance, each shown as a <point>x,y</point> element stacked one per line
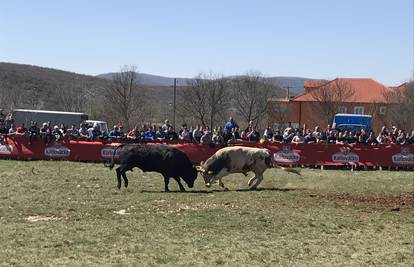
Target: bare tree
<point>401,105</point>
<point>251,94</point>
<point>124,99</point>
<point>10,96</point>
<point>204,100</point>
<point>330,95</point>
<point>72,99</point>
<point>279,113</point>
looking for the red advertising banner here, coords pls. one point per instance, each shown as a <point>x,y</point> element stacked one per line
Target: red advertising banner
<point>283,154</point>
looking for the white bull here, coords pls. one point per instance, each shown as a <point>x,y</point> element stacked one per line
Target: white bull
<point>237,159</point>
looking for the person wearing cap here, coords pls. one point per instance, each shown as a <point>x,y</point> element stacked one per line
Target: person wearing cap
<point>57,133</point>
<point>95,133</point>
<point>33,132</point>
<point>46,133</point>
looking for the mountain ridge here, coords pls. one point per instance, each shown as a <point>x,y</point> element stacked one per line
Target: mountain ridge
<point>294,83</point>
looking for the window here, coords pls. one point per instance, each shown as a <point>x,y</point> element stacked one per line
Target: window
<point>359,110</point>
<point>342,109</point>
<point>382,110</point>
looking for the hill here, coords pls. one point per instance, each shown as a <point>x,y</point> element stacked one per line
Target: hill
<point>295,84</point>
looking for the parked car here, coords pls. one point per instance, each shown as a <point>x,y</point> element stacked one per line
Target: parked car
<point>344,121</point>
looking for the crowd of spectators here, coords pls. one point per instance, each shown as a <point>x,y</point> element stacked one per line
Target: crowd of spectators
<point>228,133</point>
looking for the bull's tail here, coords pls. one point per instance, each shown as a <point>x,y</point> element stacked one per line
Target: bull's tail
<point>112,163</point>
<point>289,170</point>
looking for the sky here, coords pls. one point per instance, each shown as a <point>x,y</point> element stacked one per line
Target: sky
<point>321,39</point>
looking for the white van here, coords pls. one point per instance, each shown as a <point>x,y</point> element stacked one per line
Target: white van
<point>102,125</point>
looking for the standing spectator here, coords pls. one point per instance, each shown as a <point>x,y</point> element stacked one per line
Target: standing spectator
<point>278,137</point>
<point>401,139</point>
<point>3,132</point>
<point>83,132</point>
<point>160,133</point>
<point>65,133</point>
<point>218,136</point>
<point>317,132</point>
<point>268,134</point>
<point>22,130</point>
<point>309,138</point>
<point>382,138</point>
<point>230,125</point>
<point>150,134</point>
<point>288,135</point>
<point>171,134</point>
<point>384,131</point>
<point>95,133</point>
<point>236,134</point>
<point>298,138</point>
<point>321,137</point>
<point>46,133</point>
<point>57,133</point>
<point>410,138</point>
<point>253,135</point>
<point>371,140</point>
<point>33,132</point>
<point>206,138</point>
<point>331,137</point>
<point>351,138</point>
<point>8,121</point>
<point>115,134</point>
<point>342,138</point>
<point>166,126</point>
<point>134,135</point>
<point>121,132</point>
<point>73,132</point>
<point>247,130</point>
<point>12,130</point>
<point>391,138</point>
<point>185,134</point>
<point>197,133</point>
<point>287,129</point>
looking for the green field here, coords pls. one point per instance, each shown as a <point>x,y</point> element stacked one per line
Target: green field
<point>71,214</point>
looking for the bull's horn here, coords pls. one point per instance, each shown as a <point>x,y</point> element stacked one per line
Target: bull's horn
<point>200,169</point>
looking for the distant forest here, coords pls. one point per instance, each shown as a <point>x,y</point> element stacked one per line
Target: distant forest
<point>207,99</point>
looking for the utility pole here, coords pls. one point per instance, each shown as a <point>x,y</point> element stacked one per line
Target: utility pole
<point>288,91</point>
<point>174,102</point>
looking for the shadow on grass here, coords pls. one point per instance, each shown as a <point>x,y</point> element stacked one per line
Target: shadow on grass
<point>223,191</point>
<point>269,189</point>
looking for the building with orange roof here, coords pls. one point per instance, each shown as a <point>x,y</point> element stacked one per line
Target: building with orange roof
<point>322,99</point>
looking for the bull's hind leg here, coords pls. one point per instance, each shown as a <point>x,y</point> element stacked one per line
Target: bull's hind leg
<point>257,181</point>
<point>125,179</point>
<point>118,177</point>
<point>166,182</point>
<point>182,189</point>
<point>253,179</point>
<point>120,171</point>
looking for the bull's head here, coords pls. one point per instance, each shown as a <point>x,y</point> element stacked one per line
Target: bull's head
<point>190,177</point>
<point>207,175</point>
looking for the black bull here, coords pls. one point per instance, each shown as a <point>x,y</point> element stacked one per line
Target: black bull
<point>169,161</point>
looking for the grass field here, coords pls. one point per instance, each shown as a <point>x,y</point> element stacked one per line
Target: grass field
<point>71,214</point>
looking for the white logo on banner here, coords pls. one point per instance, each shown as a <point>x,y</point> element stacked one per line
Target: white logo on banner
<point>345,156</point>
<point>286,155</point>
<point>107,152</point>
<point>405,157</point>
<point>5,149</point>
<point>57,151</point>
